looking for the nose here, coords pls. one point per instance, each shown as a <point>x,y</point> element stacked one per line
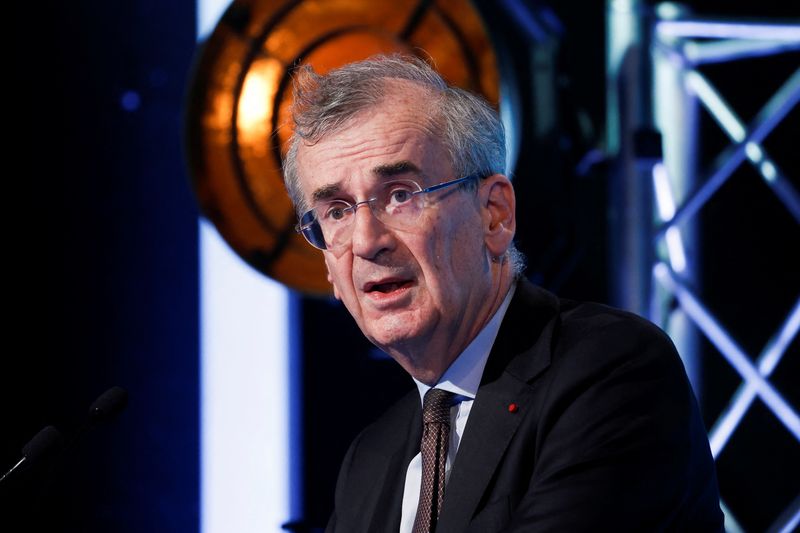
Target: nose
<point>370,236</point>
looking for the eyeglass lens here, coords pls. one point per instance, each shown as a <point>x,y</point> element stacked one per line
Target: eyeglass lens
<point>397,204</point>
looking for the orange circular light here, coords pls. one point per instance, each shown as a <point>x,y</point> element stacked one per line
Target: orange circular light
<point>237,120</point>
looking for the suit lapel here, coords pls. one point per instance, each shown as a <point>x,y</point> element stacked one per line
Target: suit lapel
<point>385,517</point>
<point>520,353</point>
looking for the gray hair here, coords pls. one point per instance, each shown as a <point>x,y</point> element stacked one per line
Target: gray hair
<point>469,128</point>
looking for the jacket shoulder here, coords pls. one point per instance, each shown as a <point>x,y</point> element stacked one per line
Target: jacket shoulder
<point>597,333</point>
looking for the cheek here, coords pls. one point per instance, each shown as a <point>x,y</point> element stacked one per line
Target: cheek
<point>460,233</point>
<point>470,259</point>
<point>435,248</point>
<point>454,250</point>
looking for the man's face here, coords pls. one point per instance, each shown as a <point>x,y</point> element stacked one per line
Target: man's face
<point>411,292</point>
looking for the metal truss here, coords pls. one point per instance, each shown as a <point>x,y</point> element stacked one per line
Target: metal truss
<point>679,47</point>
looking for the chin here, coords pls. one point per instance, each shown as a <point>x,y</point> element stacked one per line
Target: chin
<point>390,341</point>
<point>392,332</point>
<point>403,333</point>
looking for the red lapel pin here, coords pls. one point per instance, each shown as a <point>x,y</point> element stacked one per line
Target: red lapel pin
<point>513,408</point>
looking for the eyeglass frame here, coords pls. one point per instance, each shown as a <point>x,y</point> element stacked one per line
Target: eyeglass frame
<point>307,228</point>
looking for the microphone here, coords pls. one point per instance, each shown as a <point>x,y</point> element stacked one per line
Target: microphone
<point>108,405</point>
<point>48,440</point>
<point>104,408</point>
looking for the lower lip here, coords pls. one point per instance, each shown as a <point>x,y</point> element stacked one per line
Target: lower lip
<point>389,297</point>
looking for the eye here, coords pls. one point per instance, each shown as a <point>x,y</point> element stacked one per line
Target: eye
<point>400,194</point>
<point>335,211</point>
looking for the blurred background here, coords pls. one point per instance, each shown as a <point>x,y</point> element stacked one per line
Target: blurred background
<point>654,152</point>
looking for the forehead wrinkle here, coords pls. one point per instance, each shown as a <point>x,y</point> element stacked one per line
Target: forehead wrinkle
<point>385,171</point>
<point>340,146</point>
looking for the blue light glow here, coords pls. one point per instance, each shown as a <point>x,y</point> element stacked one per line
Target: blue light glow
<point>747,145</point>
<point>718,108</point>
<point>746,393</point>
<point>792,523</point>
<point>524,17</point>
<point>732,49</point>
<point>731,125</point>
<point>680,45</point>
<point>130,101</point>
<point>729,349</point>
<point>723,30</point>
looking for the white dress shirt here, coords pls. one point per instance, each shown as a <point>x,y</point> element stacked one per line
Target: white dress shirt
<point>462,378</point>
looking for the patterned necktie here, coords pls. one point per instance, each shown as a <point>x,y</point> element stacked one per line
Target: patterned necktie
<point>435,438</point>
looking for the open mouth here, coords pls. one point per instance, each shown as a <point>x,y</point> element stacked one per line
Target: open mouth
<point>386,287</point>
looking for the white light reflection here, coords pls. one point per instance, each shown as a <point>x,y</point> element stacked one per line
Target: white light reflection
<point>208,13</point>
<point>666,210</point>
<point>769,171</point>
<point>245,470</point>
<point>753,151</point>
<point>245,467</point>
<point>677,256</point>
<point>664,200</point>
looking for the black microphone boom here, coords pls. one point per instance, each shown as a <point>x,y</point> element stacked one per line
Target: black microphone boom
<point>48,440</point>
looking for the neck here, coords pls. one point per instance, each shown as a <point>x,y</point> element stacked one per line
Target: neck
<point>433,357</point>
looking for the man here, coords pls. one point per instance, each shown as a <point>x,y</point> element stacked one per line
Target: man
<point>532,413</point>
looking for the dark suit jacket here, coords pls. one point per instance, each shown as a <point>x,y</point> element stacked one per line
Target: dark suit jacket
<point>607,435</point>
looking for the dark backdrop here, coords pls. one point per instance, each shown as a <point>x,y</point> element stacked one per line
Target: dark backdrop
<point>100,263</point>
<point>101,283</point>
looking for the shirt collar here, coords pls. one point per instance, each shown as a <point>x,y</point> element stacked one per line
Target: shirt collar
<point>463,376</point>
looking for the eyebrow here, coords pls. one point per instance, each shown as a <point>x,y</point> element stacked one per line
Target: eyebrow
<point>395,169</point>
<point>325,192</point>
<point>389,170</point>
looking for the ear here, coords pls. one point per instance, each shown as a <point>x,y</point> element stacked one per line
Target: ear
<point>498,207</point>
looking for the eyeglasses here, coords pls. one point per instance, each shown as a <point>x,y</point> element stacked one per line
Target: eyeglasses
<point>398,204</point>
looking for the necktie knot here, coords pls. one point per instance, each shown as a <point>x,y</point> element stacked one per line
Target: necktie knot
<point>436,406</point>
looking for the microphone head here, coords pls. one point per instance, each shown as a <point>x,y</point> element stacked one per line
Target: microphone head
<point>108,405</point>
<point>47,440</point>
